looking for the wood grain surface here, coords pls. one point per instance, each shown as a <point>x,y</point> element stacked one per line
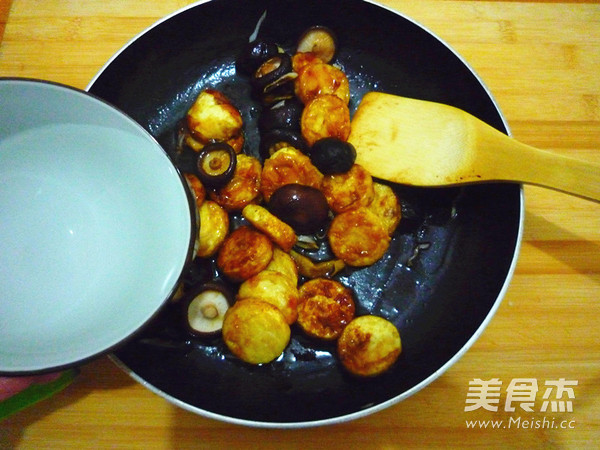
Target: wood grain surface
<point>541,61</point>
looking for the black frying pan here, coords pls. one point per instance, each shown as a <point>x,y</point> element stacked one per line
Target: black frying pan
<point>440,297</point>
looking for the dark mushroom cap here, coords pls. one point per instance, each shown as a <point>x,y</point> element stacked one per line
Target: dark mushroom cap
<point>332,155</point>
<point>304,208</point>
<point>278,138</point>
<point>253,55</point>
<point>216,164</point>
<point>285,115</point>
<point>270,71</point>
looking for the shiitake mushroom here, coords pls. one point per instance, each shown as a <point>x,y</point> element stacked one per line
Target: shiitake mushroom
<point>204,308</point>
<point>279,138</point>
<point>270,71</point>
<point>254,54</point>
<point>284,114</point>
<point>319,40</point>
<point>332,155</point>
<point>304,208</point>
<point>216,163</point>
<point>280,89</point>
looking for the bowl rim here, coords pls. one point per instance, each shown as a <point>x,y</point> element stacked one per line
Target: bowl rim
<point>191,239</point>
<point>426,381</point>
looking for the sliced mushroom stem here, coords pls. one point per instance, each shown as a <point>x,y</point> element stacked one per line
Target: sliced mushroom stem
<point>210,311</point>
<point>311,269</point>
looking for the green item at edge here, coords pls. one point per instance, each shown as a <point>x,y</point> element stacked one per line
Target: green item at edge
<point>35,393</point>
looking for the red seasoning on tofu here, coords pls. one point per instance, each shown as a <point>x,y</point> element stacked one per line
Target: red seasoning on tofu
<point>325,116</point>
<point>358,237</point>
<point>369,345</point>
<point>326,307</point>
<point>349,190</point>
<point>244,186</point>
<point>244,253</point>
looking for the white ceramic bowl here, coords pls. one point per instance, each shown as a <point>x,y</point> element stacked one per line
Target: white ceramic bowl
<point>95,226</point>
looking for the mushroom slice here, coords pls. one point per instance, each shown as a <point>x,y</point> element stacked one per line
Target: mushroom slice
<point>271,71</point>
<point>311,269</point>
<point>319,40</point>
<point>205,308</point>
<point>281,89</point>
<point>254,54</point>
<point>279,138</point>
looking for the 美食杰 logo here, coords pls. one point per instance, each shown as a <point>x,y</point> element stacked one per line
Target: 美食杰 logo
<point>522,395</point>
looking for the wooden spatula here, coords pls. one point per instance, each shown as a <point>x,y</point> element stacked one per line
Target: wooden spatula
<point>424,143</point>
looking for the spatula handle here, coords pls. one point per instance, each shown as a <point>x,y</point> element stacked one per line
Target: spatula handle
<point>565,174</point>
<point>513,160</point>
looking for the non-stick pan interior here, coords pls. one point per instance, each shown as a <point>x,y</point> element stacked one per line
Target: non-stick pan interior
<point>448,262</point>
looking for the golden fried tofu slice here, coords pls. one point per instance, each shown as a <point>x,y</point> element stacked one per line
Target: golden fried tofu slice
<point>326,307</point>
<point>321,78</point>
<point>349,190</point>
<point>274,288</point>
<point>243,188</point>
<point>324,116</point>
<point>386,206</point>
<point>369,345</point>
<point>196,187</point>
<point>302,60</point>
<point>255,331</point>
<point>283,263</point>
<point>244,253</point>
<point>358,237</point>
<point>214,226</point>
<point>213,117</point>
<point>280,232</point>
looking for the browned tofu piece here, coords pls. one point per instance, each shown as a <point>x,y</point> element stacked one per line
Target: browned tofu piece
<point>274,288</point>
<point>349,190</point>
<point>358,237</point>
<point>213,117</point>
<point>280,232</point>
<point>287,166</point>
<point>325,116</point>
<point>326,307</point>
<point>369,345</point>
<point>283,263</point>
<point>319,78</point>
<point>243,188</point>
<point>214,227</point>
<point>244,253</point>
<point>255,331</point>
<point>386,206</point>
